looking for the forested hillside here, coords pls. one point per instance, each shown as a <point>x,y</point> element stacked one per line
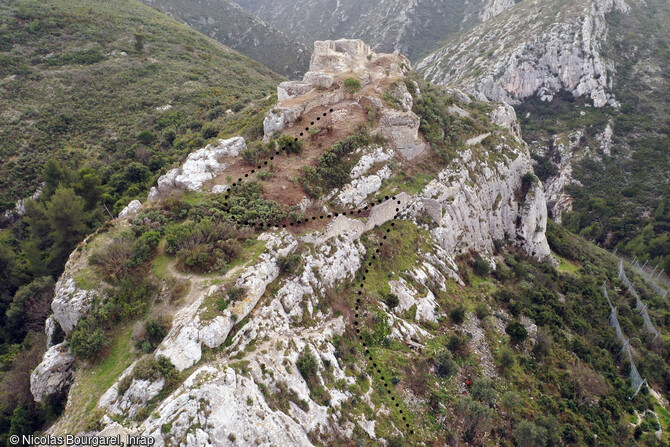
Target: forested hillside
<point>97,100</point>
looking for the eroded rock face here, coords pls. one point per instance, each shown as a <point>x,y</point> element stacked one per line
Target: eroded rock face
<point>200,166</point>
<point>291,89</point>
<point>212,405</point>
<point>54,374</point>
<point>131,209</point>
<point>402,130</point>
<point>136,397</point>
<point>559,53</point>
<point>494,7</point>
<point>475,205</point>
<point>362,185</point>
<point>70,302</point>
<point>183,344</point>
<point>559,201</point>
<point>505,116</point>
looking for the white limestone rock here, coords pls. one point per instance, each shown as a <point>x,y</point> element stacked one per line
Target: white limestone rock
<point>278,118</point>
<point>605,139</point>
<point>292,89</point>
<point>318,79</point>
<point>402,130</point>
<point>50,329</point>
<point>362,186</point>
<point>70,303</point>
<point>131,209</point>
<point>531,53</point>
<point>505,116</point>
<point>54,374</point>
<point>475,204</point>
<point>183,344</point>
<point>136,397</point>
<point>212,405</point>
<point>558,200</point>
<point>200,166</point>
<point>399,93</point>
<point>494,7</point>
<point>408,296</point>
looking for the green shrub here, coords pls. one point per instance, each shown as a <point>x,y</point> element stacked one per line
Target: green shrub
<point>458,344</point>
<point>144,246</point>
<point>288,265</point>
<point>124,384</point>
<point>112,261</point>
<point>86,342</point>
<point>289,144</point>
<point>457,314</point>
<point>146,137</point>
<point>482,310</point>
<point>481,266</point>
<point>445,364</point>
<point>250,156</point>
<point>156,329</point>
<point>517,332</point>
<point>506,359</point>
<point>482,389</point>
<point>307,364</point>
<point>528,434</point>
<point>392,300</point>
<point>209,130</point>
<point>352,85</point>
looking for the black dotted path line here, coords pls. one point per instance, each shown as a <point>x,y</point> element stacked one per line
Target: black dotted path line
<point>373,365</point>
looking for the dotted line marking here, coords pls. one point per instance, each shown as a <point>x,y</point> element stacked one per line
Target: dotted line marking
<point>373,364</point>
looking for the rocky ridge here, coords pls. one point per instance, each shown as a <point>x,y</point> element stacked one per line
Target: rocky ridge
<point>535,48</point>
<point>231,393</point>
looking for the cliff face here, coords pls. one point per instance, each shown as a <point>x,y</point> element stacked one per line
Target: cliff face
<point>535,48</point>
<point>243,364</point>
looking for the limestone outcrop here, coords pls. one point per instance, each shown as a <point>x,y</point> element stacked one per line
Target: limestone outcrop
<point>71,302</point>
<point>531,53</point>
<point>131,209</point>
<point>242,360</point>
<point>54,374</point>
<point>475,205</point>
<point>402,130</point>
<point>200,166</point>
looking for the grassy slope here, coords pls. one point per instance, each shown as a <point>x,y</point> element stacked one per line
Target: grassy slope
<point>67,90</point>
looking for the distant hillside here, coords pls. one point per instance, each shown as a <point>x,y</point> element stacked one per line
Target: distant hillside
<point>79,80</point>
<point>228,23</point>
<point>413,28</point>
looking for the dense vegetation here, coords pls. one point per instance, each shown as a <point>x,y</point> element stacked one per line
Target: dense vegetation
<point>107,68</point>
<point>558,377</point>
<point>130,93</point>
<point>625,198</point>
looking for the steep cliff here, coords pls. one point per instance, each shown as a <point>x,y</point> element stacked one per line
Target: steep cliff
<point>536,48</point>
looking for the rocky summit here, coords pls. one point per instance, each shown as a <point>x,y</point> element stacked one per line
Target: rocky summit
<point>473,201</point>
